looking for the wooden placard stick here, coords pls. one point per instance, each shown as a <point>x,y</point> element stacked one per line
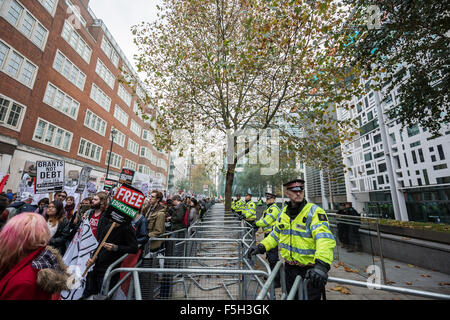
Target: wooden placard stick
<point>114,224</point>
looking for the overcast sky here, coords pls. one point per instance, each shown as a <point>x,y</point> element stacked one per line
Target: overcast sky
<point>120,15</point>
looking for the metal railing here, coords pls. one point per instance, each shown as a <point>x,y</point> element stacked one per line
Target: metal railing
<point>211,264</point>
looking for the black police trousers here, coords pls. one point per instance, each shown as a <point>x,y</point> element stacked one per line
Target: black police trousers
<point>291,272</point>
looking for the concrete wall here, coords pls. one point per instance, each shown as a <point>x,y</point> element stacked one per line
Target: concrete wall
<point>421,253</point>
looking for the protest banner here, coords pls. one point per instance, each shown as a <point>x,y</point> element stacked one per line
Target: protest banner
<point>3,182</point>
<point>50,176</point>
<point>109,185</point>
<point>126,176</point>
<point>122,209</point>
<point>76,256</point>
<point>83,179</point>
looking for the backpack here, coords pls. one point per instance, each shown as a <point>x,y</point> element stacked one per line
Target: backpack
<point>186,218</point>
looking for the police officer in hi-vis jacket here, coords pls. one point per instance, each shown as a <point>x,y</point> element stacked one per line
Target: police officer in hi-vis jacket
<point>302,232</point>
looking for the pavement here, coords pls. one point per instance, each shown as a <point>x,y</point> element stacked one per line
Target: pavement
<point>353,266</point>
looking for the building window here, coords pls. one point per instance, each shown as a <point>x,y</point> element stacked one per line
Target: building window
<point>377,138</point>
<point>89,150</point>
<point>110,52</point>
<point>380,180</point>
<point>135,128</point>
<point>65,67</point>
<point>121,115</point>
<point>378,155</point>
<point>441,152</point>
<point>433,158</point>
<point>368,156</point>
<point>130,164</point>
<point>382,167</point>
<point>392,135</point>
<point>412,131</point>
<point>61,101</point>
<point>145,153</point>
<point>144,169</point>
<point>16,65</point>
<point>52,135</point>
<point>136,109</point>
<point>119,138</point>
<point>49,5</point>
<point>115,161</point>
<point>414,156</point>
<point>359,107</point>
<point>147,135</point>
<point>95,123</point>
<point>100,97</point>
<point>11,113</point>
<point>105,74</point>
<point>27,24</point>
<point>133,147</point>
<point>440,166</point>
<point>421,155</point>
<point>124,95</point>
<point>414,144</point>
<point>76,42</point>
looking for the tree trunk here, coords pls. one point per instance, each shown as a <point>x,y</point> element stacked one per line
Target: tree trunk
<point>229,185</point>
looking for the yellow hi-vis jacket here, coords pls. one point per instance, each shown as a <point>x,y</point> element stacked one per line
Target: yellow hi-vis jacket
<point>239,205</point>
<point>249,211</point>
<point>232,205</point>
<point>305,238</point>
<point>268,218</point>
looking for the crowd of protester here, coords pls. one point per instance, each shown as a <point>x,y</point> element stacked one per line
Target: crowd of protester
<point>46,230</point>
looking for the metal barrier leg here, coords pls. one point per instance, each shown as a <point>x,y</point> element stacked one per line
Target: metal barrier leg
<point>381,254</point>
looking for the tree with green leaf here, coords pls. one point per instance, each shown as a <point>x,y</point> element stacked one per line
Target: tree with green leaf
<point>232,65</point>
<point>405,44</point>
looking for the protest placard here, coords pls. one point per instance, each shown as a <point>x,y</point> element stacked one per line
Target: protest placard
<point>50,176</point>
<point>122,209</point>
<point>83,179</point>
<point>126,176</point>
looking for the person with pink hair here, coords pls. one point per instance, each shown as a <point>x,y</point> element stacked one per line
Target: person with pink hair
<point>29,269</point>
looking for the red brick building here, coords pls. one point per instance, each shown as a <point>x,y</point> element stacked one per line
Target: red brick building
<point>60,96</point>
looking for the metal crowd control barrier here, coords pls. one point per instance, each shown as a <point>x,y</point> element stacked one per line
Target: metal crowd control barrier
<point>300,286</point>
<point>206,261</point>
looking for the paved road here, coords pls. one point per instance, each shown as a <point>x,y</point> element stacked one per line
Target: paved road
<point>353,266</point>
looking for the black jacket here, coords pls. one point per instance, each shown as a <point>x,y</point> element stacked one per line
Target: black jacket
<point>61,237</point>
<point>141,230</point>
<point>123,236</point>
<point>178,217</point>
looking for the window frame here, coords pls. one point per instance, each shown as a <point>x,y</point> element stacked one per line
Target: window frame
<point>67,62</point>
<point>92,116</point>
<point>10,50</point>
<point>20,23</point>
<point>45,133</point>
<point>90,150</point>
<point>11,103</point>
<point>75,117</point>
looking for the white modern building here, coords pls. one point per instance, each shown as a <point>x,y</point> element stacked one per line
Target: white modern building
<point>394,172</point>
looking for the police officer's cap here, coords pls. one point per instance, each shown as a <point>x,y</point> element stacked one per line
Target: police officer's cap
<point>248,194</point>
<point>270,195</point>
<point>295,185</point>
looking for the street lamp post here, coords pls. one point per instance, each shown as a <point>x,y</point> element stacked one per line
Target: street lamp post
<point>113,133</point>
